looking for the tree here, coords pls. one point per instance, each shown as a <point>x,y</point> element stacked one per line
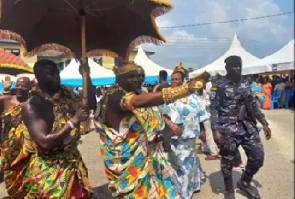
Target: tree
<point>190,69</point>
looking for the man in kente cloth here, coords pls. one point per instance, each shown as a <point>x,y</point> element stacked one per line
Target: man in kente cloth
<point>52,115</point>
<point>135,162</point>
<point>14,160</point>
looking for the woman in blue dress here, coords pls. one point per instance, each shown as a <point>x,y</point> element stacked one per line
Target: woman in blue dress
<point>187,114</point>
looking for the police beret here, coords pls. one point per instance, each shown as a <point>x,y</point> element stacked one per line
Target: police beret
<point>233,59</point>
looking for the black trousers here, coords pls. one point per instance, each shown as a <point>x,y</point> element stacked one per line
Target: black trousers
<point>237,159</point>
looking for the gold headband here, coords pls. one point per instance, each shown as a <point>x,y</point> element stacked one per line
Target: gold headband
<point>125,68</point>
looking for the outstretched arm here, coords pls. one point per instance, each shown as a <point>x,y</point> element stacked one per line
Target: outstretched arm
<point>131,101</point>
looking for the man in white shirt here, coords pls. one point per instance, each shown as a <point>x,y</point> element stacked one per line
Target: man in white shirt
<point>210,145</point>
<point>206,77</point>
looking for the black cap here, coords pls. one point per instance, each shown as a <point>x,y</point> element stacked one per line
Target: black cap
<point>233,60</point>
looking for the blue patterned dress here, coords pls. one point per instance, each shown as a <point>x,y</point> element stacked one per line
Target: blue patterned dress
<point>188,114</point>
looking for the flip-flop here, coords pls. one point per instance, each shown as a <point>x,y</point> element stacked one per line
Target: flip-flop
<point>212,157</point>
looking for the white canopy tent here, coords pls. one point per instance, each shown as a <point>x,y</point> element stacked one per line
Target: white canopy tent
<point>218,66</point>
<point>283,59</point>
<point>100,76</point>
<point>151,69</point>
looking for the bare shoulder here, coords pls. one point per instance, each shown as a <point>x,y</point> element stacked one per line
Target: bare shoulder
<point>5,97</point>
<point>28,109</point>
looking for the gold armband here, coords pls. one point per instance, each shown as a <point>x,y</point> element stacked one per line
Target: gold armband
<point>126,103</point>
<point>4,92</point>
<point>172,94</point>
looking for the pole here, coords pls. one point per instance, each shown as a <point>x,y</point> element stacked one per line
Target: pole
<point>85,75</point>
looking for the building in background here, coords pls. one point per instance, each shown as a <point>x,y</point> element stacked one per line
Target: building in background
<point>60,58</point>
<point>16,49</point>
<point>109,62</point>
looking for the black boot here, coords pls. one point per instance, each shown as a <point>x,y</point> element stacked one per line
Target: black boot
<point>229,195</point>
<point>245,186</point>
<point>229,189</point>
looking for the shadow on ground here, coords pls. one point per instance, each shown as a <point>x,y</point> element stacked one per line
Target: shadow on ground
<point>217,184</point>
<point>102,192</point>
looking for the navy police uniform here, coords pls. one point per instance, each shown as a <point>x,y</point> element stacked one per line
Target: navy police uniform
<point>226,101</point>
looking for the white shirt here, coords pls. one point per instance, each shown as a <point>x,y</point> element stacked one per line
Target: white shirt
<point>208,87</point>
<point>204,101</point>
<point>144,89</point>
<point>280,86</point>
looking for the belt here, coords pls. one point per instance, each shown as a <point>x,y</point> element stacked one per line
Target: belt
<point>232,119</point>
<point>228,119</point>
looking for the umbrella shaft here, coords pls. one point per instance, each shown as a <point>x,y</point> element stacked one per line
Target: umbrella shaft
<point>84,74</point>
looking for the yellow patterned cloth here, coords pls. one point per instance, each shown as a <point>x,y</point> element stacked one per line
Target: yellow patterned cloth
<point>15,159</point>
<point>136,165</point>
<point>56,173</point>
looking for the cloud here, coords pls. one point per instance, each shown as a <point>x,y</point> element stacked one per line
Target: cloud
<point>200,45</point>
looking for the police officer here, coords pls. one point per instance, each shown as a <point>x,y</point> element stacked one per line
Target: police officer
<point>233,120</point>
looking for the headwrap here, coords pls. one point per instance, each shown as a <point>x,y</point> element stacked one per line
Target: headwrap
<point>125,67</point>
<point>180,69</point>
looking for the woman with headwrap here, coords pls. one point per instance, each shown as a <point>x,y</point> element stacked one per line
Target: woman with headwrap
<point>187,114</point>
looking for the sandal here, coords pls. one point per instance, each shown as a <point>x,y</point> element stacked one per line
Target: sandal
<point>212,157</point>
<point>201,151</point>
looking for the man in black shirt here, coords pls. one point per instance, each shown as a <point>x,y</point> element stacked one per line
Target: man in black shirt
<point>163,81</point>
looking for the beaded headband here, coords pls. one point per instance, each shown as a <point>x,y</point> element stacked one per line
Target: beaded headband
<point>125,67</point>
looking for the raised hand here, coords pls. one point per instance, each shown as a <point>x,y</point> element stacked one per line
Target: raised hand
<point>7,83</point>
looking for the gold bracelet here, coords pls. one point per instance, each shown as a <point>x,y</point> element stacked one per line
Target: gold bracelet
<point>126,103</point>
<point>4,92</point>
<point>172,94</point>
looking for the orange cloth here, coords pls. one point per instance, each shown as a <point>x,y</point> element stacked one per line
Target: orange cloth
<point>267,91</point>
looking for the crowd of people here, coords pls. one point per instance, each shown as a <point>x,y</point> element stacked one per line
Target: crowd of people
<point>147,136</point>
<point>266,87</point>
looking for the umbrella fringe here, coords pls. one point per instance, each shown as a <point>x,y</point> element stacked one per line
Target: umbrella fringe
<point>164,7</point>
<point>12,36</point>
<point>9,35</point>
<point>102,52</point>
<point>51,46</point>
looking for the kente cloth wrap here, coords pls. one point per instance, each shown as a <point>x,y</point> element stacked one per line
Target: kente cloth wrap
<point>54,172</point>
<point>136,166</point>
<point>15,159</point>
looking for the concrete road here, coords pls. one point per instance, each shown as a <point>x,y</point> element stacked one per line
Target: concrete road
<point>274,181</point>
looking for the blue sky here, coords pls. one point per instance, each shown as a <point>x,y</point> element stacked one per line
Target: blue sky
<point>200,45</point>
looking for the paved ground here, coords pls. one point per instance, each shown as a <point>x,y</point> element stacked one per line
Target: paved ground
<point>274,181</point>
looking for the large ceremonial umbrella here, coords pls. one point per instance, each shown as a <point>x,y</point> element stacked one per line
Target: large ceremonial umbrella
<point>13,65</point>
<point>116,25</point>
